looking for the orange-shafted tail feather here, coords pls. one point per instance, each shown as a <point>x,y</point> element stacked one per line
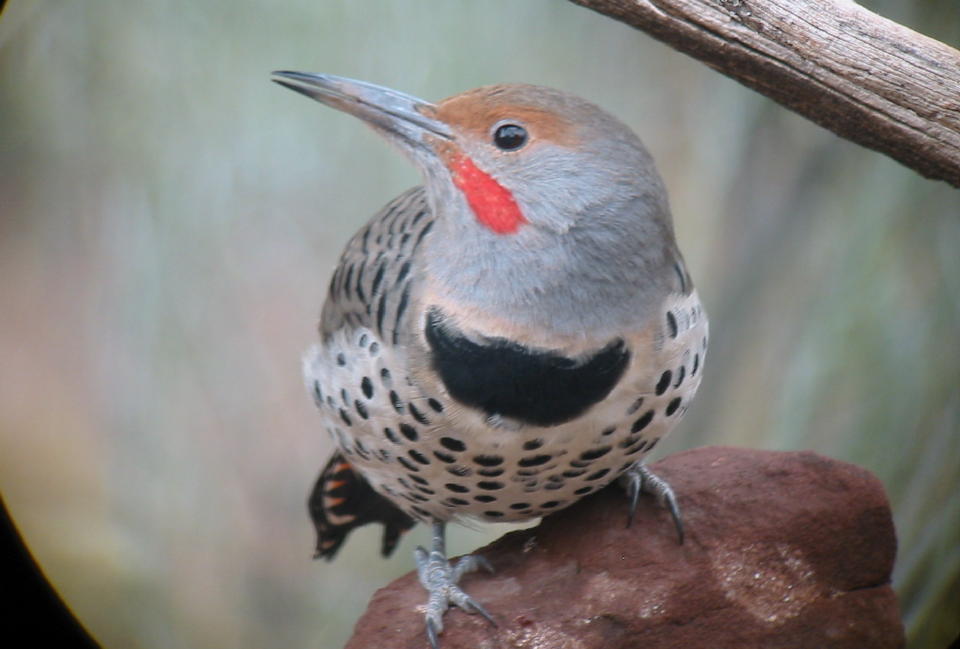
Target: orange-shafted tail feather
<point>342,500</point>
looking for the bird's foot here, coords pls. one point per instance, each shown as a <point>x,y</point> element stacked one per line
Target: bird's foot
<point>639,479</point>
<point>440,578</point>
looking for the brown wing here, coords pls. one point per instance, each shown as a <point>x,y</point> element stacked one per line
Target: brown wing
<point>372,283</point>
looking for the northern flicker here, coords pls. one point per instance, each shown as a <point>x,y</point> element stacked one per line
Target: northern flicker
<point>509,337</point>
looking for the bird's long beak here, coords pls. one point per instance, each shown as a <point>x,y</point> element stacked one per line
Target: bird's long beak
<point>407,119</point>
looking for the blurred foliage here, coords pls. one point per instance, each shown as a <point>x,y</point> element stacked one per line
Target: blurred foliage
<point>170,218</point>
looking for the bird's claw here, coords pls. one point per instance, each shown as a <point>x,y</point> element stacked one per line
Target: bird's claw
<point>433,628</point>
<point>440,578</point>
<point>471,605</point>
<point>470,563</point>
<point>639,479</point>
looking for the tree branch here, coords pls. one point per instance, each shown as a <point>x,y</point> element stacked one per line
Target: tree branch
<point>864,77</point>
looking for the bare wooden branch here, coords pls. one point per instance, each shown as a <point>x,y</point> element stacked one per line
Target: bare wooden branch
<point>864,77</point>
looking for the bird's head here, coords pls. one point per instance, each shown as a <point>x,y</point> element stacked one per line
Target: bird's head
<point>548,209</point>
<point>518,156</point>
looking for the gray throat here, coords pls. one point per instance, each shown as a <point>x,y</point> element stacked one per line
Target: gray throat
<point>604,275</point>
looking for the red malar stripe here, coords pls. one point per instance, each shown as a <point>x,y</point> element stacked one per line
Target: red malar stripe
<point>493,205</point>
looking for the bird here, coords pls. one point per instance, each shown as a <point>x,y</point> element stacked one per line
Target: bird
<point>512,335</point>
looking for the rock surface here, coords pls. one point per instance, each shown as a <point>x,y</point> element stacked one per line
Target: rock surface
<point>782,550</point>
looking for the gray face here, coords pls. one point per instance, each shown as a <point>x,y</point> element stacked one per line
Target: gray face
<point>595,246</point>
<point>598,237</point>
<point>569,167</point>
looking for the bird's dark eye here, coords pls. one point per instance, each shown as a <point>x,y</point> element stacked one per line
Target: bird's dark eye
<point>510,137</point>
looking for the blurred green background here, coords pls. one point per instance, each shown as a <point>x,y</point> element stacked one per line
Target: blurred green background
<point>170,219</point>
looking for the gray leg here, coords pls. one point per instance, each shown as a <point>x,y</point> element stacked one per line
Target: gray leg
<point>639,479</point>
<point>440,579</point>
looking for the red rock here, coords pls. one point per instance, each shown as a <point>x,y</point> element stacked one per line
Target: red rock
<point>782,550</point>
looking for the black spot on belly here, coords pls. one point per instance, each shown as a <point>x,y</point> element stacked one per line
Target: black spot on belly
<point>664,382</point>
<point>638,448</point>
<point>409,432</point>
<point>361,450</point>
<point>635,406</point>
<point>535,460</point>
<point>503,378</point>
<point>453,444</point>
<point>361,409</point>
<point>484,498</point>
<point>418,456</point>
<point>366,385</point>
<point>444,457</point>
<point>419,416</point>
<point>680,374</point>
<point>593,454</point>
<point>488,460</point>
<point>672,406</point>
<point>642,423</point>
